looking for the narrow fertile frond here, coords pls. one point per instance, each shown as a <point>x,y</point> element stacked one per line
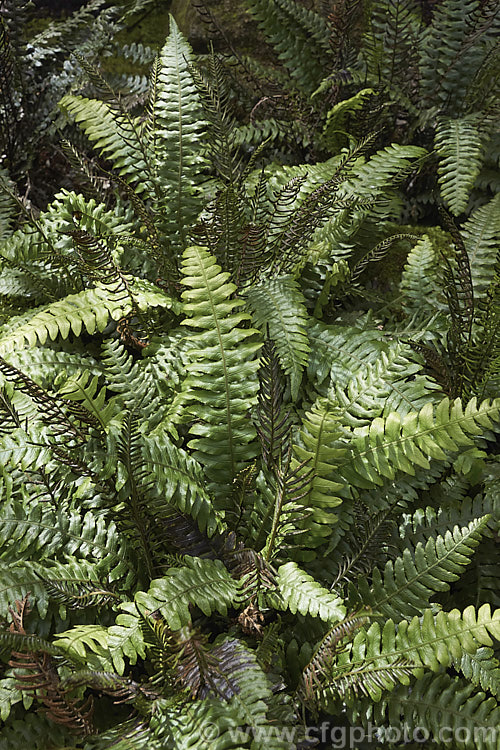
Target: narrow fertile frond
<point>274,427</point>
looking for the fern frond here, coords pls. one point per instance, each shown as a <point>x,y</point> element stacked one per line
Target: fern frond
<point>459,144</point>
<point>419,284</point>
<point>394,383</point>
<point>297,35</point>
<point>113,135</point>
<point>42,531</point>
<point>299,592</point>
<point>278,306</point>
<point>408,583</point>
<point>429,641</point>
<point>180,125</point>
<point>221,369</point>
<point>482,669</point>
<point>481,235</point>
<point>401,443</point>
<point>203,583</point>
<point>89,310</point>
<point>316,445</point>
<point>436,701</point>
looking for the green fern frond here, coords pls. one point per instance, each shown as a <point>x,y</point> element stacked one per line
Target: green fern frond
<point>278,306</point>
<point>81,388</point>
<point>481,234</point>
<point>427,641</point>
<point>452,51</point>
<point>299,592</point>
<point>115,136</point>
<point>221,383</point>
<point>408,583</point>
<point>482,669</point>
<point>89,310</point>
<point>203,583</point>
<point>179,144</point>
<point>401,443</point>
<point>43,531</point>
<point>394,383</point>
<point>436,701</point>
<point>316,445</point>
<point>299,36</point>
<point>419,284</point>
<point>459,144</point>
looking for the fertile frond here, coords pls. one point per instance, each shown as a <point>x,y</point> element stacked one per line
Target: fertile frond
<point>274,427</point>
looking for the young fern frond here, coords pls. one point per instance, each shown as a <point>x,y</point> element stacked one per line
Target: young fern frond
<point>179,152</point>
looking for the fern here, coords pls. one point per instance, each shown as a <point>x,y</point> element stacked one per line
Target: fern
<point>205,583</point>
<point>179,122</point>
<point>220,369</point>
<point>233,493</point>
<point>459,145</point>
<point>407,583</point>
<point>278,305</point>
